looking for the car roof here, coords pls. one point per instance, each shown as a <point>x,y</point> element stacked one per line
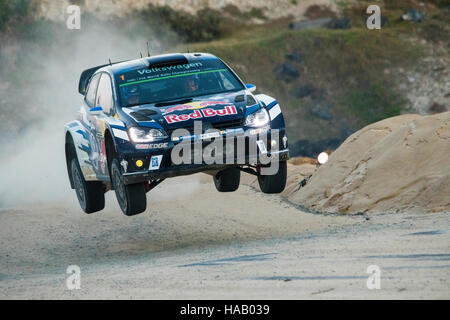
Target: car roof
<point>157,60</point>
<point>145,62</point>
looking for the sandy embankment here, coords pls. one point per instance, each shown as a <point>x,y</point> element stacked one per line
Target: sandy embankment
<point>391,165</point>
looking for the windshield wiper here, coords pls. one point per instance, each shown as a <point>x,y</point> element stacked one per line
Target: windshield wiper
<point>170,102</point>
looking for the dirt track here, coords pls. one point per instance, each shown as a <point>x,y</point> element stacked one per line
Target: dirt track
<point>203,244</point>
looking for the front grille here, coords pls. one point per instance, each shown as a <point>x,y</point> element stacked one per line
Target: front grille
<point>227,124</point>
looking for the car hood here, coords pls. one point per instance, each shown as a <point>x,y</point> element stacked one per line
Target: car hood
<point>182,114</point>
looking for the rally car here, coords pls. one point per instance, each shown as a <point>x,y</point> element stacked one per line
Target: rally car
<point>145,120</point>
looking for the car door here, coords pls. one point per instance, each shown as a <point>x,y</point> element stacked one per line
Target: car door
<point>104,104</point>
<point>88,119</point>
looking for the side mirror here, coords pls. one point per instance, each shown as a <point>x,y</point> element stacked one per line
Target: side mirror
<point>95,111</point>
<point>250,87</point>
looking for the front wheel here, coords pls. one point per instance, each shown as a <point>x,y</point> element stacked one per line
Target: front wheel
<point>274,183</point>
<point>227,180</point>
<point>132,199</point>
<point>90,194</point>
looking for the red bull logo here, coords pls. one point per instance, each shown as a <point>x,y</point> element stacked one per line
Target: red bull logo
<point>193,106</point>
<point>203,113</point>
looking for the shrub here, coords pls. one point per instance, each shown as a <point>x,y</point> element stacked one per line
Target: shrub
<point>206,25</point>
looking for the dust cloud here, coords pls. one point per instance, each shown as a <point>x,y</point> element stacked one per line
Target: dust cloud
<point>32,160</point>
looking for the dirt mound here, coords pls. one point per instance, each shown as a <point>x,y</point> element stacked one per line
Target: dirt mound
<point>393,164</point>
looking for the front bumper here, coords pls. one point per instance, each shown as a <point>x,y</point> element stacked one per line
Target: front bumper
<point>187,169</point>
<point>159,164</point>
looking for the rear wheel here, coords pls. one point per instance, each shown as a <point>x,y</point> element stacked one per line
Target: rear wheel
<point>274,183</point>
<point>90,194</point>
<point>227,180</point>
<point>132,199</point>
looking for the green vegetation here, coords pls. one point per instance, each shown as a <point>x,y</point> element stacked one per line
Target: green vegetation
<point>206,26</point>
<point>374,104</point>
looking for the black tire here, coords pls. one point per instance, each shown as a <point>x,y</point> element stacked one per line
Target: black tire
<point>274,183</point>
<point>90,194</point>
<point>132,199</point>
<point>227,180</point>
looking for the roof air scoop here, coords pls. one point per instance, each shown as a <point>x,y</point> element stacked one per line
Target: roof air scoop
<point>166,60</point>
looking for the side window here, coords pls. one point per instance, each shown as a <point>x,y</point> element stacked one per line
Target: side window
<point>104,94</point>
<point>92,90</point>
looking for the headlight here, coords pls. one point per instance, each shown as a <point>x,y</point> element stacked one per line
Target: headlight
<point>142,135</point>
<point>257,119</point>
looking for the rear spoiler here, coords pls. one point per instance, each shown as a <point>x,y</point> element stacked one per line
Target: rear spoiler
<point>87,74</point>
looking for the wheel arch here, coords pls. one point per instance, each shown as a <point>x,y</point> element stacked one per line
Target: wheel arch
<point>71,153</point>
<point>77,145</point>
<point>111,149</point>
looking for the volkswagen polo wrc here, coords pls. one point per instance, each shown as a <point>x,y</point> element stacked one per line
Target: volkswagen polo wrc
<point>142,121</point>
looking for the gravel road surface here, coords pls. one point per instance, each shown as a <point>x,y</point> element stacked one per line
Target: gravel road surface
<point>196,243</point>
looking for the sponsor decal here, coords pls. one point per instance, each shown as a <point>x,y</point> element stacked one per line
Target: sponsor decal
<point>210,135</point>
<point>155,162</point>
<point>203,113</point>
<point>152,146</point>
<point>194,106</point>
<point>261,146</point>
<point>142,146</point>
<point>170,68</point>
<point>259,130</point>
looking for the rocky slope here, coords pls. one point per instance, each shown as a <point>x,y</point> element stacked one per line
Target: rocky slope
<point>392,164</point>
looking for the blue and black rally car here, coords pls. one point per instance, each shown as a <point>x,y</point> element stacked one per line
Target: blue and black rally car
<point>145,120</point>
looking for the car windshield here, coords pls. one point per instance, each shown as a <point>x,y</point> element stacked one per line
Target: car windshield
<point>175,82</point>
